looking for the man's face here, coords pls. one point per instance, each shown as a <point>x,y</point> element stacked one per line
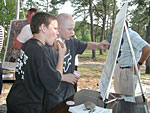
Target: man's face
<point>29,16</point>
<point>51,32</point>
<point>66,31</point>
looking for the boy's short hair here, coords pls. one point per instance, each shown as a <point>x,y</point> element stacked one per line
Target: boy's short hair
<point>40,18</point>
<point>33,10</point>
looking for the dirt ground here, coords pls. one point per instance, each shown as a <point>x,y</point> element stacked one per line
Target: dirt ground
<point>90,73</point>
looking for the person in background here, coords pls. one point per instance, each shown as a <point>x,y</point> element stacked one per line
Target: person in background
<point>1,79</point>
<point>125,78</point>
<point>76,67</point>
<point>1,45</point>
<point>36,75</point>
<point>25,33</point>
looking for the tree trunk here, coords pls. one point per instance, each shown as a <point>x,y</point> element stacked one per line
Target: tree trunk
<point>113,17</point>
<point>92,27</point>
<point>47,5</point>
<point>148,40</point>
<point>138,28</point>
<point>107,28</point>
<point>31,3</point>
<point>83,33</point>
<point>104,21</point>
<point>96,32</point>
<point>147,70</point>
<point>83,30</point>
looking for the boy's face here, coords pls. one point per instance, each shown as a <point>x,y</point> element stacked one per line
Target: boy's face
<point>67,30</point>
<point>29,16</point>
<point>51,32</point>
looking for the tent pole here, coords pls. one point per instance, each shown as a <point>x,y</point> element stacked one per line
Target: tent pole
<point>17,9</point>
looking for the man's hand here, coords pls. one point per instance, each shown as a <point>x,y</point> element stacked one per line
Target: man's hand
<point>17,44</point>
<point>70,78</point>
<point>103,45</point>
<point>138,66</point>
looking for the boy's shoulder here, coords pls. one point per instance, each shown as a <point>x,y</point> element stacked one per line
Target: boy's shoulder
<point>71,41</point>
<point>33,46</point>
<point>33,43</point>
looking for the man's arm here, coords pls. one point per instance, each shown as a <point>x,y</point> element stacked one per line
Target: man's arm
<point>145,54</point>
<point>17,45</point>
<point>23,36</point>
<point>102,45</point>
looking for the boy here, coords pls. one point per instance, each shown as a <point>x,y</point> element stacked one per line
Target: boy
<point>36,77</point>
<point>74,46</point>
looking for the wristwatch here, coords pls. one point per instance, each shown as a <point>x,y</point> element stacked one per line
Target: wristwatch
<point>140,63</point>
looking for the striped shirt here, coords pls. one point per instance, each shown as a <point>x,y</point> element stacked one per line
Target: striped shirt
<point>1,37</point>
<point>138,43</point>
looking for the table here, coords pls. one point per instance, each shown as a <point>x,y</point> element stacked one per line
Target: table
<point>9,76</point>
<point>94,96</point>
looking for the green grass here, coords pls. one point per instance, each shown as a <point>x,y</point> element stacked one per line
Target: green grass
<point>145,76</point>
<point>89,72</point>
<point>93,67</point>
<point>88,54</point>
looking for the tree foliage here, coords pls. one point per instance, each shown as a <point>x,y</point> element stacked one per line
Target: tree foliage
<point>82,31</point>
<point>140,22</point>
<point>7,13</point>
<point>50,6</point>
<point>104,13</point>
<point>140,16</point>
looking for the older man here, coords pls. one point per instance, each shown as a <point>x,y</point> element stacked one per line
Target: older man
<point>125,78</point>
<point>25,33</point>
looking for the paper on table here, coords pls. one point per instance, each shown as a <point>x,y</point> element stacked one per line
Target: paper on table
<point>81,109</point>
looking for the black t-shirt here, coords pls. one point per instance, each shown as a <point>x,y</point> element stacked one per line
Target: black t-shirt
<point>74,47</point>
<point>36,77</point>
<point>65,90</point>
<point>53,54</point>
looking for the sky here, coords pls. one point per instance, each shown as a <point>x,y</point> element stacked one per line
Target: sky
<point>67,6</point>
